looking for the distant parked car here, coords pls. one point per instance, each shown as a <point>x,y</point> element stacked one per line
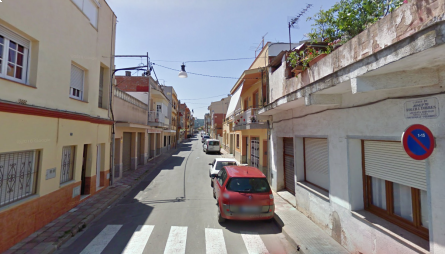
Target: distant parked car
<point>243,193</point>
<point>211,145</point>
<point>218,164</point>
<point>204,138</point>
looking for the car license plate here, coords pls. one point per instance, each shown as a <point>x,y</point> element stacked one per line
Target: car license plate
<point>250,209</point>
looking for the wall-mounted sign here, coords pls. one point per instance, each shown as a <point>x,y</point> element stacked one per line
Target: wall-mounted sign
<point>418,142</point>
<point>427,108</point>
<point>50,173</point>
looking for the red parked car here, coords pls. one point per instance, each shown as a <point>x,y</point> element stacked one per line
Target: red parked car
<point>243,193</point>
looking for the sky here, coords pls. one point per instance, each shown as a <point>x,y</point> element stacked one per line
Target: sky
<point>176,31</point>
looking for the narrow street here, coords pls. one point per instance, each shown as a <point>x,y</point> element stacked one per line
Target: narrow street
<point>173,211</point>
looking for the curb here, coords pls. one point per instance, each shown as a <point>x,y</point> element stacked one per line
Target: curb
<point>84,223</point>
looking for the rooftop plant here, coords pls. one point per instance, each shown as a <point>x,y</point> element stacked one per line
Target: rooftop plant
<point>343,21</point>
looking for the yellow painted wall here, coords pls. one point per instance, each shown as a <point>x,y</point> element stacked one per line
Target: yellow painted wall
<point>49,135</point>
<point>60,35</point>
<point>249,94</point>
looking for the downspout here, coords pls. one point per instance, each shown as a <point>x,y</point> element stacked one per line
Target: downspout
<point>111,100</point>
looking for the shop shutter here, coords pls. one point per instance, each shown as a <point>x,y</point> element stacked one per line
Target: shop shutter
<point>126,151</point>
<point>389,161</point>
<point>289,178</point>
<point>317,161</point>
<point>14,37</point>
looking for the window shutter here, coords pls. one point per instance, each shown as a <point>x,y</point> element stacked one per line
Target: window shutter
<point>90,9</point>
<point>388,161</point>
<point>317,162</point>
<point>14,37</point>
<point>76,77</point>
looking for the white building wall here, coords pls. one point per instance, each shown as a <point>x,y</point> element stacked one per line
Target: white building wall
<point>344,129</point>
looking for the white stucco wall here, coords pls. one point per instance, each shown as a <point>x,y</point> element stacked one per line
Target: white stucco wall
<point>344,129</point>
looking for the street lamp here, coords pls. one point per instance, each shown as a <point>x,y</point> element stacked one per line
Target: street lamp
<point>182,73</point>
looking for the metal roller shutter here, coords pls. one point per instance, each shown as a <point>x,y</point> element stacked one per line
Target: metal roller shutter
<point>317,162</point>
<point>288,152</point>
<point>388,161</point>
<point>14,37</point>
<point>126,152</point>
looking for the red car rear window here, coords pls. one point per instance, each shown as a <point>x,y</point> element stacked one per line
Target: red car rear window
<point>251,185</point>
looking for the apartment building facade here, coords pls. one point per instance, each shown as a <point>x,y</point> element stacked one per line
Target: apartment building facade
<point>148,91</point>
<point>336,128</point>
<point>218,110</point>
<point>56,129</point>
<point>170,139</point>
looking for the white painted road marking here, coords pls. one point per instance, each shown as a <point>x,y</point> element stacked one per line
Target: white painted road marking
<point>176,240</point>
<point>101,240</point>
<point>254,244</point>
<point>138,240</point>
<point>215,241</point>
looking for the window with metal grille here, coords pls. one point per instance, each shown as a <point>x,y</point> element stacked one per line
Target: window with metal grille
<point>76,85</point>
<point>18,175</point>
<point>67,167</point>
<point>13,55</point>
<point>101,88</point>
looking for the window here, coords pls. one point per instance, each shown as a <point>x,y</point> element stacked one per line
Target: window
<point>316,158</point>
<point>251,185</point>
<point>214,143</point>
<point>237,140</point>
<point>67,168</point>
<point>18,175</point>
<point>221,164</point>
<point>77,81</point>
<point>222,176</point>
<point>90,8</point>
<point>101,88</point>
<point>395,186</point>
<point>13,55</point>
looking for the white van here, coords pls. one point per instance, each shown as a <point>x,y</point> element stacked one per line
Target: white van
<point>211,145</point>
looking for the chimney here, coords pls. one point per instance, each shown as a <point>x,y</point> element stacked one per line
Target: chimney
<point>128,73</point>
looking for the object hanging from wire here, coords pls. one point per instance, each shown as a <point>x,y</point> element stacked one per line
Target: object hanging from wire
<point>182,73</point>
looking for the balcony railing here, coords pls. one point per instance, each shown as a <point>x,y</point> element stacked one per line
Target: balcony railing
<point>248,119</point>
<point>157,119</point>
<point>128,98</point>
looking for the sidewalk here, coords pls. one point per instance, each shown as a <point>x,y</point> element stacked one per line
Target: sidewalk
<point>299,230</point>
<point>49,238</point>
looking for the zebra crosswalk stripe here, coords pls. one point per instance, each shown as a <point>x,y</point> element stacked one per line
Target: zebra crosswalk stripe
<point>101,240</point>
<point>215,241</point>
<point>138,240</point>
<point>254,244</point>
<point>176,240</point>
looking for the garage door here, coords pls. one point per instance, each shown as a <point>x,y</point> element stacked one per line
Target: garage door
<point>288,152</point>
<point>140,149</point>
<point>126,152</point>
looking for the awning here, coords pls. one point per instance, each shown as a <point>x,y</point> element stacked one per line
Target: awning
<point>234,101</point>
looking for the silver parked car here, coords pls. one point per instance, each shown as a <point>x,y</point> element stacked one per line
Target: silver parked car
<point>211,145</point>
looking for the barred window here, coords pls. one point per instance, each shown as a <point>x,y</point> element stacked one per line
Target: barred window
<point>67,168</point>
<point>18,175</point>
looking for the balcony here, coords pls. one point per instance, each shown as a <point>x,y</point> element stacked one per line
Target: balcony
<point>248,120</point>
<point>157,119</point>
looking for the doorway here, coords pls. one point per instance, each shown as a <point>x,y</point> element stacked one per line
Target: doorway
<point>98,165</point>
<point>84,170</point>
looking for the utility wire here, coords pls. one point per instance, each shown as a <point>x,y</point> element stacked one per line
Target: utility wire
<point>203,98</point>
<point>205,75</point>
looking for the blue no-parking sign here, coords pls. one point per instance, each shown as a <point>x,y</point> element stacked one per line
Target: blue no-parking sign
<point>418,142</point>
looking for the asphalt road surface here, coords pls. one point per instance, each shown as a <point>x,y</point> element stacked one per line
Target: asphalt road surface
<point>173,211</point>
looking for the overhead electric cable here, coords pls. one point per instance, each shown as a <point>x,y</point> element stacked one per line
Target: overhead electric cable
<point>203,98</point>
<point>205,75</point>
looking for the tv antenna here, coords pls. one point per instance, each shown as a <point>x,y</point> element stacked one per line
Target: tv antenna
<point>293,22</point>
